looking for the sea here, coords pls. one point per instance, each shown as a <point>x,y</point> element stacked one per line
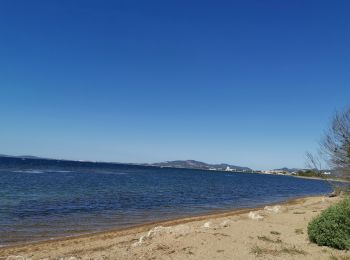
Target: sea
<point>44,199</point>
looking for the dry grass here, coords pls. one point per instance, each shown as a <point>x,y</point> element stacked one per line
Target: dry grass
<point>270,240</point>
<point>332,257</point>
<point>260,251</point>
<point>162,247</point>
<point>299,231</point>
<point>276,233</point>
<point>293,251</point>
<point>221,234</point>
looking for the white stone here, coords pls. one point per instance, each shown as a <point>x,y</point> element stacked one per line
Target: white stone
<point>255,216</point>
<point>274,209</point>
<point>207,224</point>
<point>160,230</point>
<point>225,223</point>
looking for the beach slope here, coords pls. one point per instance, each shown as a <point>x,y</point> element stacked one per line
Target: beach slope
<point>271,232</point>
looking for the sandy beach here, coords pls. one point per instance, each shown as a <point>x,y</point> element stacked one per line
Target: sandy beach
<point>271,232</point>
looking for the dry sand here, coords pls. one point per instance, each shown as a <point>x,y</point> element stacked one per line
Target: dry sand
<point>273,232</point>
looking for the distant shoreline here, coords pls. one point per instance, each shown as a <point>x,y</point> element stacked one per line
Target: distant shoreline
<point>244,170</point>
<point>318,178</point>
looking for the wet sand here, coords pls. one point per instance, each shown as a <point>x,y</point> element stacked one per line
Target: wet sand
<point>272,232</point>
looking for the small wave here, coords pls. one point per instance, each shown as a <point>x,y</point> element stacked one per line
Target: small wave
<point>28,171</point>
<point>41,171</point>
<point>112,173</point>
<point>120,173</point>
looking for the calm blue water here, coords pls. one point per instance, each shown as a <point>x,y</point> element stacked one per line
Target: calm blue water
<point>40,203</point>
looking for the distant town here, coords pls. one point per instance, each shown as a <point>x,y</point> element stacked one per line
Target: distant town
<point>186,164</point>
<point>192,164</point>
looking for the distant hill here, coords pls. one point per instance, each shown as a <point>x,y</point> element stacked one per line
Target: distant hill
<point>21,156</point>
<point>34,161</point>
<point>28,163</point>
<point>192,164</point>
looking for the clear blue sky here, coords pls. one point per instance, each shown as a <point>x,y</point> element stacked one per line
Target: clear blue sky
<point>252,83</point>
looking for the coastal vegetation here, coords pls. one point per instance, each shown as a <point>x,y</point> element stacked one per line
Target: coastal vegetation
<point>334,148</point>
<point>332,227</point>
<point>336,143</point>
<point>311,173</point>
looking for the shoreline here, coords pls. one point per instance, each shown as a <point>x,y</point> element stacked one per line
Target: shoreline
<point>147,227</point>
<point>165,222</point>
<point>275,231</point>
<point>323,179</point>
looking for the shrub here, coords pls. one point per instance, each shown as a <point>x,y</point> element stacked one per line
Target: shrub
<point>332,227</point>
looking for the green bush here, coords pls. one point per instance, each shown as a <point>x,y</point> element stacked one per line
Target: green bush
<point>332,227</point>
<point>311,173</point>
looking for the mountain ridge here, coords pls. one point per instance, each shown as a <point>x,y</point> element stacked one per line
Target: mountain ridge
<point>193,164</point>
<point>184,164</point>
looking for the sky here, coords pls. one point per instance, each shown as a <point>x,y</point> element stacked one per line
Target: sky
<point>251,83</point>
